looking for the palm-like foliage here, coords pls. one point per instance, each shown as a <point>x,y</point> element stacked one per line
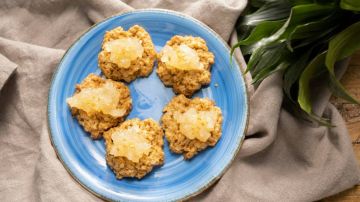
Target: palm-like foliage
<point>303,38</point>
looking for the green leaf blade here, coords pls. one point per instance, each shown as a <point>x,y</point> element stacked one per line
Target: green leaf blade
<point>262,30</point>
<point>341,46</point>
<point>273,10</point>
<point>293,73</point>
<point>315,66</point>
<point>352,5</point>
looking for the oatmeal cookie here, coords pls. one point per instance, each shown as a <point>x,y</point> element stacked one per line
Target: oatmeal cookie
<point>185,63</point>
<point>191,125</point>
<point>99,104</point>
<point>134,148</point>
<point>126,55</point>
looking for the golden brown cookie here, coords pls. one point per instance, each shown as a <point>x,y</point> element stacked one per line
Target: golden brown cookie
<point>185,63</point>
<point>134,148</point>
<point>191,125</point>
<point>126,55</point>
<point>99,104</point>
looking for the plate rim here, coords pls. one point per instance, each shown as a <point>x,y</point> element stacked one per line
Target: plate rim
<point>171,12</point>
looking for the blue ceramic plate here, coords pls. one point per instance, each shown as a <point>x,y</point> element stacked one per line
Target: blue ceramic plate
<point>177,179</point>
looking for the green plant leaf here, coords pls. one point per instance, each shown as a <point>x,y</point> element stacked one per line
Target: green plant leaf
<point>300,14</point>
<point>274,10</point>
<point>272,56</point>
<point>322,38</point>
<point>303,37</point>
<point>300,2</point>
<point>232,50</point>
<point>262,30</point>
<point>293,73</point>
<point>352,5</point>
<point>326,1</point>
<point>341,46</point>
<point>255,58</point>
<point>312,70</point>
<point>270,10</point>
<point>315,66</point>
<point>320,120</point>
<point>296,110</point>
<point>313,31</point>
<point>259,3</point>
<point>268,71</point>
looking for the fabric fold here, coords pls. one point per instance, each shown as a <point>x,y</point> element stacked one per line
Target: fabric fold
<point>7,68</point>
<point>282,159</point>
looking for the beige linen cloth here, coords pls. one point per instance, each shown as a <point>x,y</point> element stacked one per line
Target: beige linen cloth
<point>282,158</point>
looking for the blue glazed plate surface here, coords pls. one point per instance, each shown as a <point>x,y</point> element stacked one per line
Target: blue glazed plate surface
<point>176,179</point>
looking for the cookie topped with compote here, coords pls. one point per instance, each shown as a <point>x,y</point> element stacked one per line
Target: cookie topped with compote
<point>134,148</point>
<point>184,64</point>
<point>191,125</point>
<point>126,55</point>
<point>100,104</point>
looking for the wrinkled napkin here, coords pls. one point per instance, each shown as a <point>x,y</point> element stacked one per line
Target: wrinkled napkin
<point>282,158</point>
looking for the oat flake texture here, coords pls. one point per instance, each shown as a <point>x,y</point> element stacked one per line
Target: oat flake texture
<point>139,67</point>
<point>178,141</point>
<point>97,122</point>
<point>282,158</point>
